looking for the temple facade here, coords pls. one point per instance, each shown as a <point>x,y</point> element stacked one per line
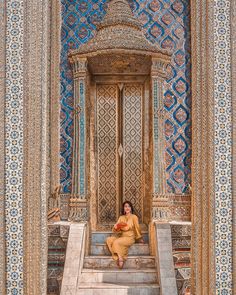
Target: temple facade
<point>111,101</point>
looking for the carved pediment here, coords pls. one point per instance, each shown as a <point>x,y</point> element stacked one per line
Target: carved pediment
<point>119,64</point>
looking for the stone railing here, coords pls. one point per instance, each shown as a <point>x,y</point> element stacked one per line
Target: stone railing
<point>58,233</point>
<point>181,248</point>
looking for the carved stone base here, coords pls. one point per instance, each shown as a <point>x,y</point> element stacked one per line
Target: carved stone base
<point>78,210</point>
<point>171,207</point>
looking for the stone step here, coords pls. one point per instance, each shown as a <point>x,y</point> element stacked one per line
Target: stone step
<point>135,262</point>
<point>136,249</point>
<point>118,276</point>
<point>100,237</point>
<point>117,289</point>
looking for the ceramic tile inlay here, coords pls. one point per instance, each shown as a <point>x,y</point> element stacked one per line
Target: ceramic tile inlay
<point>223,148</point>
<point>14,147</point>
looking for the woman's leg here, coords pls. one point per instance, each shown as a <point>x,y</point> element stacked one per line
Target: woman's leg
<point>121,246</point>
<point>109,242</point>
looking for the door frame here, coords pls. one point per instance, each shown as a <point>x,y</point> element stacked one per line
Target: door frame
<point>147,146</point>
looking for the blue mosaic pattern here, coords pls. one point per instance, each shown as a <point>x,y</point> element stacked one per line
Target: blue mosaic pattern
<point>14,147</point>
<point>164,22</point>
<point>79,20</point>
<point>223,149</point>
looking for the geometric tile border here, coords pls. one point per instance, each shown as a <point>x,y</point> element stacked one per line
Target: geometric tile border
<point>223,147</point>
<point>2,146</point>
<point>14,145</point>
<point>233,87</point>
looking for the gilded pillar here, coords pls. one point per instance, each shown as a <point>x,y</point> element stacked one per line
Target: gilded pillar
<point>160,202</point>
<point>55,107</point>
<point>78,204</point>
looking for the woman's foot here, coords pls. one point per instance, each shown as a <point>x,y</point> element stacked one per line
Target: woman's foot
<point>120,263</point>
<point>141,241</point>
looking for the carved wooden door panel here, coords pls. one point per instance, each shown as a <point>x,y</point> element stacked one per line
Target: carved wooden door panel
<point>119,149</point>
<point>132,145</point>
<point>107,159</point>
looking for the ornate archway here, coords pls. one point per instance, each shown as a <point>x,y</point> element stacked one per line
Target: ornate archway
<point>118,123</point>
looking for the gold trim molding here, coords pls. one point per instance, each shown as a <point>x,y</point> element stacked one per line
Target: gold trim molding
<point>203,243</point>
<point>55,95</point>
<point>36,165</point>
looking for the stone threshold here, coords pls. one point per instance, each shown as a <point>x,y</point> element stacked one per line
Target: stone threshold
<point>129,257</point>
<point>116,286</point>
<point>98,270</point>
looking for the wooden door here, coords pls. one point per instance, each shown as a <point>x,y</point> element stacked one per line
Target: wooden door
<point>119,140</point>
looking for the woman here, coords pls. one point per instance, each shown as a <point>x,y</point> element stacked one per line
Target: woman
<point>128,227</point>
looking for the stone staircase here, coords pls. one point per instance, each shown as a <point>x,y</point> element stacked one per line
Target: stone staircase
<point>100,274</point>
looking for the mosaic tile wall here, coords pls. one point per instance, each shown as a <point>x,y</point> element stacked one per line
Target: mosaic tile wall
<point>14,127</point>
<point>165,22</point>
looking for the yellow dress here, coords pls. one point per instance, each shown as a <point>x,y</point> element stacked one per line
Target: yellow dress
<point>127,236</point>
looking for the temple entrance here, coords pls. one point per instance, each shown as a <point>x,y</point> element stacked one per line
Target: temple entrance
<point>119,141</point>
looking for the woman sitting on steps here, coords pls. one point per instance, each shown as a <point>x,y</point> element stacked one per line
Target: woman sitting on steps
<point>128,228</point>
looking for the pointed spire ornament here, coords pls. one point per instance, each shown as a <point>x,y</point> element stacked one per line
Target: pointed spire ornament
<point>119,31</point>
<point>119,12</point>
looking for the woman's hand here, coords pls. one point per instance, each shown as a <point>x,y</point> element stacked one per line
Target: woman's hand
<point>116,226</point>
<point>120,226</point>
<point>126,228</point>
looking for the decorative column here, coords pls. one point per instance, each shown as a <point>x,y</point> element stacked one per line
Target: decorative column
<point>160,210</point>
<point>78,203</point>
<point>26,119</point>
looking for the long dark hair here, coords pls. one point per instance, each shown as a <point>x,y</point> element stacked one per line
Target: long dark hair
<point>123,205</point>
